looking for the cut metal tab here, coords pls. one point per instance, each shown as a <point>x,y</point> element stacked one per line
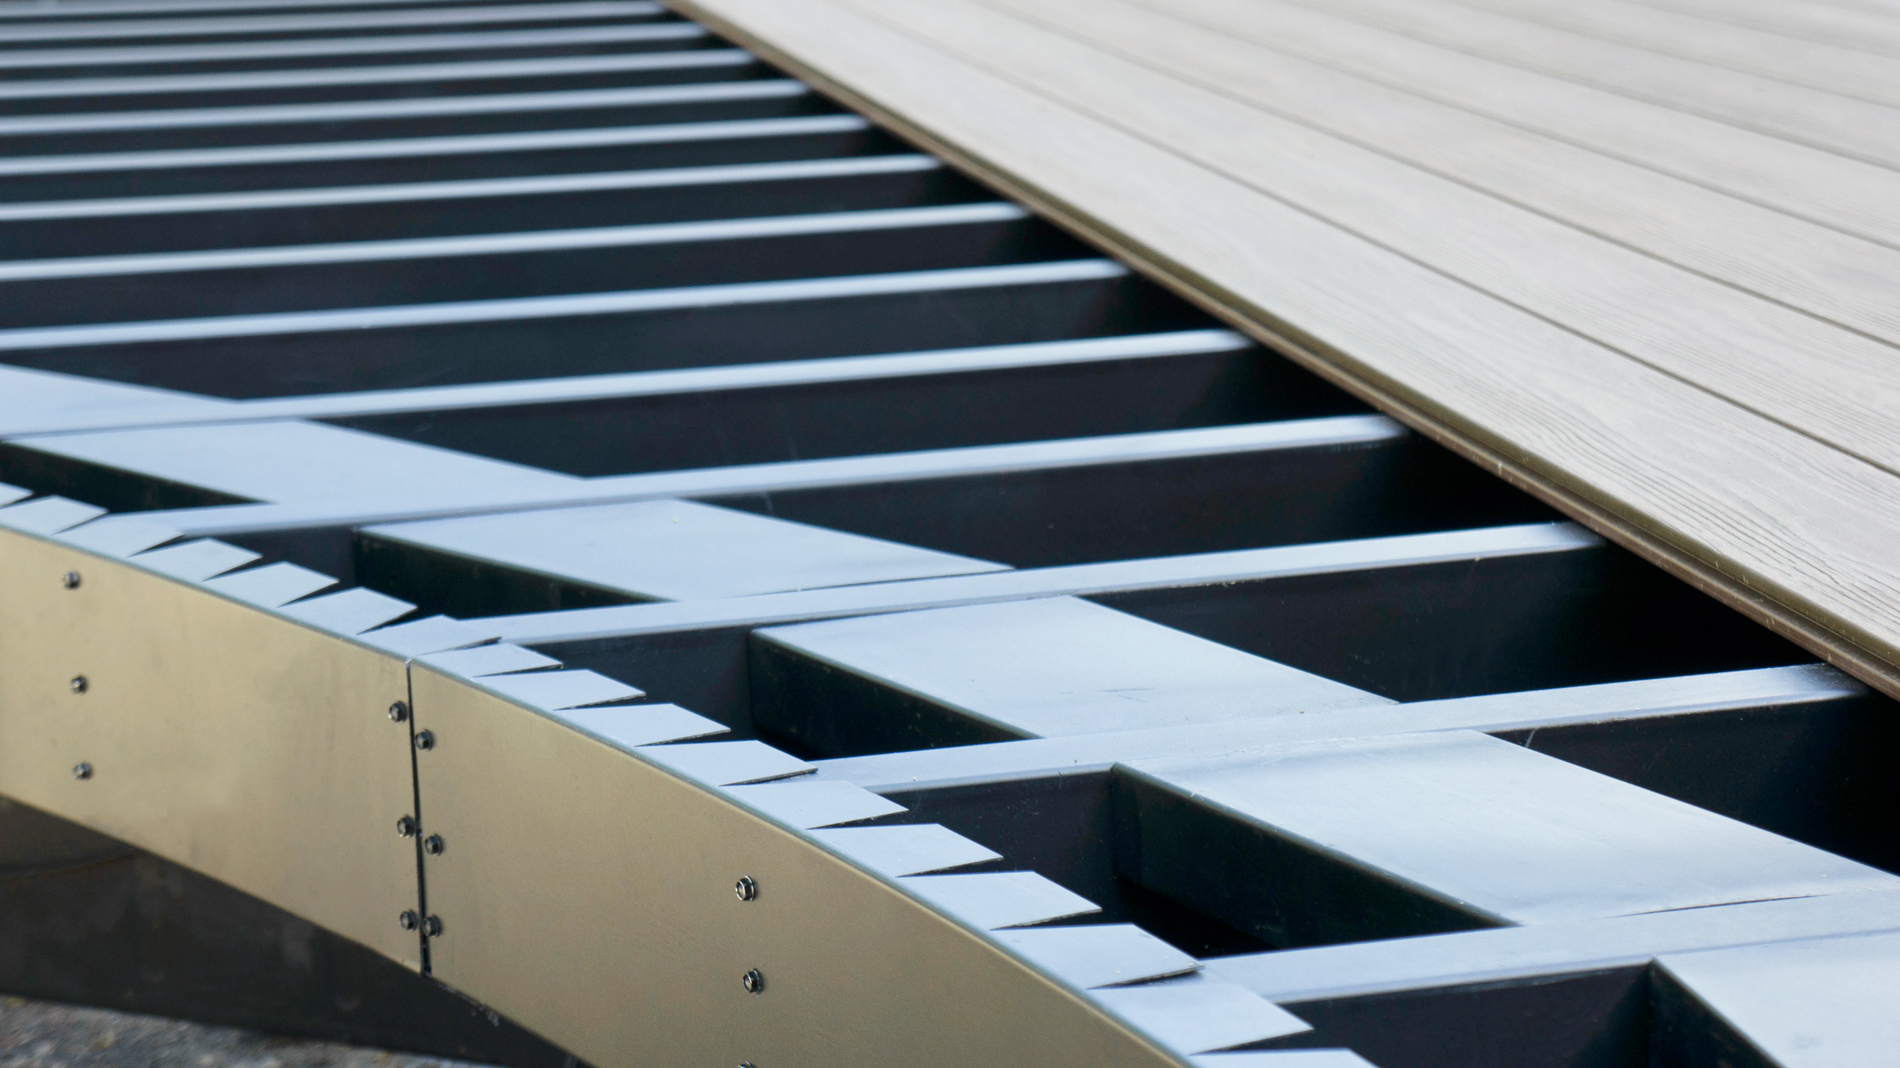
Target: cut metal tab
<point>117,535</point>
<point>1194,1014</point>
<point>727,763</point>
<point>195,561</point>
<point>1283,1058</point>
<point>807,804</point>
<point>1099,955</point>
<point>631,726</point>
<point>431,635</point>
<point>554,690</point>
<point>500,658</point>
<point>992,900</point>
<point>350,612</point>
<point>271,585</point>
<point>47,515</point>
<point>906,849</point>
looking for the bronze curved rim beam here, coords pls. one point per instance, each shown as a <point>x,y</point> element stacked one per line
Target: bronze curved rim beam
<point>543,850</point>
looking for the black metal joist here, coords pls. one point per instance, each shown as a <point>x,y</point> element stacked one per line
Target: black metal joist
<point>711,411</point>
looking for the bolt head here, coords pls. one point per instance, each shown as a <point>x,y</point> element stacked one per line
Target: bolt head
<point>432,926</point>
<point>78,685</point>
<point>408,921</point>
<point>425,740</point>
<point>753,981</point>
<point>398,711</point>
<point>70,580</point>
<point>82,771</point>
<point>745,889</point>
<point>433,845</point>
<point>406,827</point>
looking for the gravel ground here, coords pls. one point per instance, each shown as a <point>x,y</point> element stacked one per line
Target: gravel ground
<point>38,1034</point>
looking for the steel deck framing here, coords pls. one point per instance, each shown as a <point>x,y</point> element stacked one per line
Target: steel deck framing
<point>709,485</point>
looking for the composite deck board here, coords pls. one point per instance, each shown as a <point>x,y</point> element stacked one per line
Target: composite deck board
<point>1824,120</point>
<point>1663,410</point>
<point>1820,186</point>
<point>1541,264</point>
<point>1871,26</point>
<point>1816,268</point>
<point>1831,68</point>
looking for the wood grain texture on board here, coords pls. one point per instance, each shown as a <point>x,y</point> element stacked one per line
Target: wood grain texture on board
<point>1736,439</point>
<point>1814,117</point>
<point>1831,68</point>
<point>1804,265</point>
<point>1802,371</point>
<point>1871,25</point>
<point>1810,183</point>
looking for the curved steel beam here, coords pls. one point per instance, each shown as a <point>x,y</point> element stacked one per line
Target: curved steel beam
<point>595,873</point>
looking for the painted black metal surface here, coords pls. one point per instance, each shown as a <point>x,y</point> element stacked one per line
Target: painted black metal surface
<point>571,317</point>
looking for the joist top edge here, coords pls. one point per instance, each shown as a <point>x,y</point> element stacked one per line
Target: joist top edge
<point>1080,580</point>
<point>96,29</point>
<point>1471,957</point>
<point>449,145</point>
<point>1015,761</point>
<point>40,10</point>
<point>404,192</point>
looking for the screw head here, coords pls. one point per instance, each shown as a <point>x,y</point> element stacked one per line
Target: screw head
<point>753,981</point>
<point>78,685</point>
<point>406,827</point>
<point>398,711</point>
<point>70,580</point>
<point>425,740</point>
<point>433,845</point>
<point>408,921</point>
<point>432,926</point>
<point>745,889</point>
<point>82,771</point>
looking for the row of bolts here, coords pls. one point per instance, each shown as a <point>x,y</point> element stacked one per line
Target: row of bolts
<point>746,889</point>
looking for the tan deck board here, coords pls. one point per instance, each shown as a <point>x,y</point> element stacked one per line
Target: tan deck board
<point>1249,214</point>
<point>1557,268</point>
<point>1870,25</point>
<point>1819,186</point>
<point>1827,121</point>
<point>1830,68</point>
